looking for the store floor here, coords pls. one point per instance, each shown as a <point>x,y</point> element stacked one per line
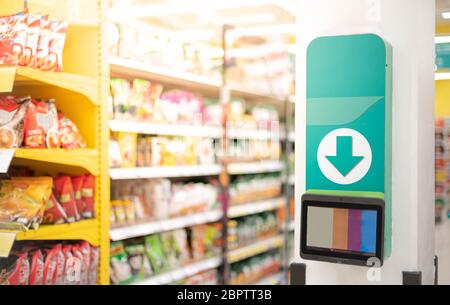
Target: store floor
<point>442,239</point>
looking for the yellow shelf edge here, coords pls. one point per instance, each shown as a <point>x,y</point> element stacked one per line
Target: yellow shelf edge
<point>84,158</point>
<point>16,76</point>
<point>82,230</point>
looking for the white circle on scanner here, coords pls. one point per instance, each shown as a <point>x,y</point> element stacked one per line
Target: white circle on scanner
<point>344,156</point>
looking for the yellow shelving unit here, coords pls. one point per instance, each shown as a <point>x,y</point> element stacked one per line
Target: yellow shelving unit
<point>81,94</point>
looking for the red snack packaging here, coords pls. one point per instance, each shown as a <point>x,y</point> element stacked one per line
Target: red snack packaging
<point>33,27</point>
<point>76,252</point>
<point>14,31</point>
<point>50,265</point>
<point>12,112</point>
<point>36,268</point>
<point>72,268</point>
<point>15,270</point>
<point>54,60</point>
<point>60,265</point>
<point>88,195</point>
<point>85,251</point>
<point>43,43</point>
<point>77,184</point>
<point>64,194</point>
<point>93,265</point>
<point>69,135</point>
<point>54,212</point>
<point>41,125</point>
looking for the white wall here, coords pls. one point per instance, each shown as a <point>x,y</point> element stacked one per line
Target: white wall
<point>409,26</point>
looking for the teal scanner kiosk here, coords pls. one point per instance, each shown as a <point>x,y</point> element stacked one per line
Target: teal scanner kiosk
<point>346,210</point>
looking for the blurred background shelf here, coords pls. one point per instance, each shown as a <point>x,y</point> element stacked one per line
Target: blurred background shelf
<point>164,172</point>
<point>158,226</point>
<point>182,272</point>
<point>258,167</point>
<point>166,129</point>
<point>254,249</point>
<point>255,207</point>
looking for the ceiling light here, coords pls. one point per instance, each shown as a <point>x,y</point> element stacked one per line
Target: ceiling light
<point>446,15</point>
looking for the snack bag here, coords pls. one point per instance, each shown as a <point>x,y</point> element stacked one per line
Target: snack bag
<point>88,196</point>
<point>120,269</point>
<point>72,269</point>
<point>155,253</point>
<point>34,134</point>
<point>121,92</point>
<point>54,212</point>
<point>69,135</point>
<point>43,43</point>
<point>15,269</point>
<point>12,112</point>
<point>93,265</point>
<point>13,30</point>
<point>77,184</point>
<point>36,268</point>
<point>22,200</point>
<point>139,99</point>
<point>136,259</point>
<point>54,61</point>
<point>85,250</point>
<point>63,190</point>
<point>50,265</point>
<point>128,148</point>
<point>33,27</point>
<point>60,265</point>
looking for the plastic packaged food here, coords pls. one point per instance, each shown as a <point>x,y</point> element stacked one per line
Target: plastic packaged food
<point>82,251</point>
<point>14,38</point>
<point>22,202</point>
<point>128,148</point>
<point>54,61</point>
<point>72,266</point>
<point>36,268</point>
<point>63,190</point>
<point>77,184</point>
<point>15,269</point>
<point>155,253</point>
<point>54,212</point>
<point>120,269</point>
<point>12,113</point>
<point>88,196</point>
<point>41,125</point>
<point>33,28</point>
<point>137,261</point>
<point>93,265</point>
<point>50,265</point>
<point>60,265</point>
<point>43,43</point>
<point>121,91</point>
<point>69,134</point>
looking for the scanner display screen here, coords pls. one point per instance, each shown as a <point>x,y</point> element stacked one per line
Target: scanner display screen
<point>344,230</point>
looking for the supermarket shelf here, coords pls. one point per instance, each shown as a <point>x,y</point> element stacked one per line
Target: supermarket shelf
<point>166,129</point>
<point>273,279</point>
<point>83,230</point>
<point>255,249</point>
<point>242,168</point>
<point>182,273</point>
<point>84,158</point>
<point>237,90</point>
<point>153,227</point>
<point>252,134</point>
<point>164,172</point>
<point>121,67</point>
<point>23,76</point>
<point>290,227</point>
<point>255,207</point>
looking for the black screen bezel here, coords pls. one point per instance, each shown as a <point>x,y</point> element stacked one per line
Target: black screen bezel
<point>345,202</point>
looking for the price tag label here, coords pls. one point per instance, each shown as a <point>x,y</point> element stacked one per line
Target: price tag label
<point>6,243</point>
<point>6,156</point>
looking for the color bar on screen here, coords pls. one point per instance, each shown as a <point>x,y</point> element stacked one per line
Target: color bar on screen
<point>340,229</point>
<point>368,231</point>
<point>354,230</point>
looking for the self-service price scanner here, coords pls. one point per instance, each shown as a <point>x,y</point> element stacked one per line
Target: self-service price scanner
<point>346,210</point>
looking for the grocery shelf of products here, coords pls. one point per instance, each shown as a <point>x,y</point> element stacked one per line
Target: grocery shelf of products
<point>442,174</point>
<point>54,207</point>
